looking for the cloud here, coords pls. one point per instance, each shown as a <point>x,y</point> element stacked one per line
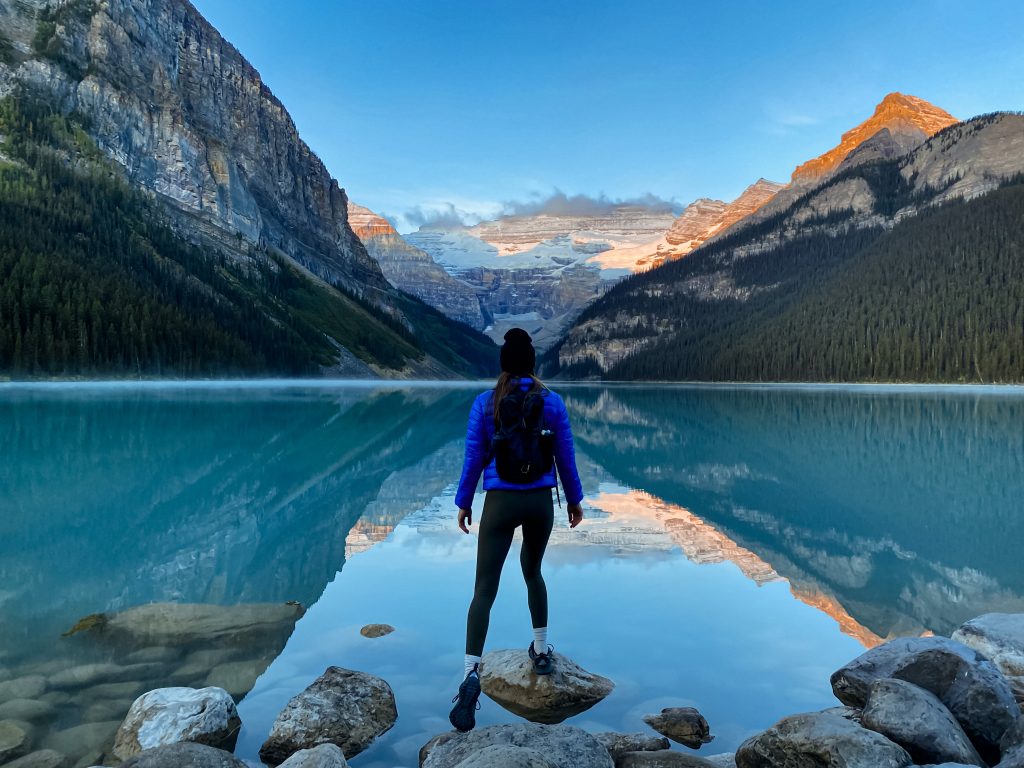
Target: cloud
<point>560,204</point>
<point>442,215</point>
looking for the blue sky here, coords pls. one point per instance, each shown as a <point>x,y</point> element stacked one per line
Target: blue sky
<point>417,106</point>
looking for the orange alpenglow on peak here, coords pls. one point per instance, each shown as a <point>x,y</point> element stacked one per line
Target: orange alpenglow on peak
<point>365,223</point>
<point>897,112</point>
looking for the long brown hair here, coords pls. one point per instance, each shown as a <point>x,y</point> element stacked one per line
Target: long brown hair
<point>507,382</point>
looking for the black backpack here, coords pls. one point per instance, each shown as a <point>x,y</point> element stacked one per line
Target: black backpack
<point>523,448</point>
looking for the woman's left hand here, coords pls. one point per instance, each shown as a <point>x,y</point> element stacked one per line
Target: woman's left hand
<point>465,518</point>
<point>575,515</point>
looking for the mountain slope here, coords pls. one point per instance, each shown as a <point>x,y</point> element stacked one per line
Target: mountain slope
<point>899,124</point>
<point>867,276</point>
<point>412,270</point>
<point>190,123</point>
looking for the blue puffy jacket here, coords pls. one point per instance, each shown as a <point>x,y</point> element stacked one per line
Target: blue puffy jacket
<point>480,431</point>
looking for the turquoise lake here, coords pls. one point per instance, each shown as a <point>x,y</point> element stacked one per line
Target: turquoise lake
<point>740,543</point>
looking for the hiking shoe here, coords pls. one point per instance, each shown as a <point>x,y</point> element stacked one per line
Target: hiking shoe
<point>543,663</point>
<point>467,702</point>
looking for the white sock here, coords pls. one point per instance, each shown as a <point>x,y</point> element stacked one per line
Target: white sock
<point>471,661</point>
<point>540,639</point>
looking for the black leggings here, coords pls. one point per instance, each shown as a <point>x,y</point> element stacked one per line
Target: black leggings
<point>503,512</point>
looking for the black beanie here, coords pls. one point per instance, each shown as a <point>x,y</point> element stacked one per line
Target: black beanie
<point>517,354</point>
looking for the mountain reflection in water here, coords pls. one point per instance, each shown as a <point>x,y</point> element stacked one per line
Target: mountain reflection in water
<point>893,512</point>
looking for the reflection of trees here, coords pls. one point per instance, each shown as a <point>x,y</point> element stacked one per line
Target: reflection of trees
<point>906,506</point>
<point>235,497</point>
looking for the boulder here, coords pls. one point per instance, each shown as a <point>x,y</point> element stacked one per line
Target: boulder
<point>916,720</point>
<point>44,758</point>
<point>506,756</point>
<point>664,758</point>
<point>970,686</point>
<point>342,707</point>
<point>684,725</point>
<point>820,739</point>
<point>324,756</point>
<point>508,678</point>
<point>619,743</point>
<point>1012,746</point>
<point>376,630</point>
<point>184,755</point>
<point>172,715</point>
<point>127,690</point>
<point>27,687</point>
<point>563,746</point>
<point>1014,736</point>
<point>27,709</point>
<point>14,741</point>
<point>1000,638</point>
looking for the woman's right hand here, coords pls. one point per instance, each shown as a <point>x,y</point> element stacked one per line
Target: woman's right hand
<point>575,514</point>
<point>465,518</point>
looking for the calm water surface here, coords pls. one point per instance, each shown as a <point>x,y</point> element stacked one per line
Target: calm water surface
<point>740,544</point>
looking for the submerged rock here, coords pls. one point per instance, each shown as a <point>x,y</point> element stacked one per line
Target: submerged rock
<point>324,756</point>
<point>27,687</point>
<point>618,744</point>
<point>508,678</point>
<point>14,741</point>
<point>184,755</point>
<point>820,739</point>
<point>1000,638</point>
<point>44,758</point>
<point>684,725</point>
<point>237,677</point>
<point>916,720</point>
<point>562,746</point>
<point>94,675</point>
<point>966,682</point>
<point>376,630</point>
<point>27,709</point>
<point>342,707</point>
<point>84,739</point>
<point>172,715</point>
<point>176,624</point>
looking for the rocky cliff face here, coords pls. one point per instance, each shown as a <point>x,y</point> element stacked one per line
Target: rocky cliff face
<point>165,96</point>
<point>413,270</point>
<point>705,219</point>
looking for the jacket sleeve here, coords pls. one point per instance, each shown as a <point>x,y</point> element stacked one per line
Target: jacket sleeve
<point>565,457</point>
<point>476,454</point>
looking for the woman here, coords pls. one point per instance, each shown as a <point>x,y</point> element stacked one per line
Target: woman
<point>509,505</point>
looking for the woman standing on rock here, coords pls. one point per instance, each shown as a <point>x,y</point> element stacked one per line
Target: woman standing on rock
<point>518,433</point>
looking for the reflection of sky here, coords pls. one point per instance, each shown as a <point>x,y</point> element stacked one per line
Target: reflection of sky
<point>667,631</point>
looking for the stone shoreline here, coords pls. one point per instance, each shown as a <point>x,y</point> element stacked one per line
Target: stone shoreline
<point>909,702</point>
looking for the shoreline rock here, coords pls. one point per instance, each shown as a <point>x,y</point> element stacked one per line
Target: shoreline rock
<point>343,707</point>
<point>561,746</point>
<point>966,682</point>
<point>508,679</point>
<point>684,725</point>
<point>176,715</point>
